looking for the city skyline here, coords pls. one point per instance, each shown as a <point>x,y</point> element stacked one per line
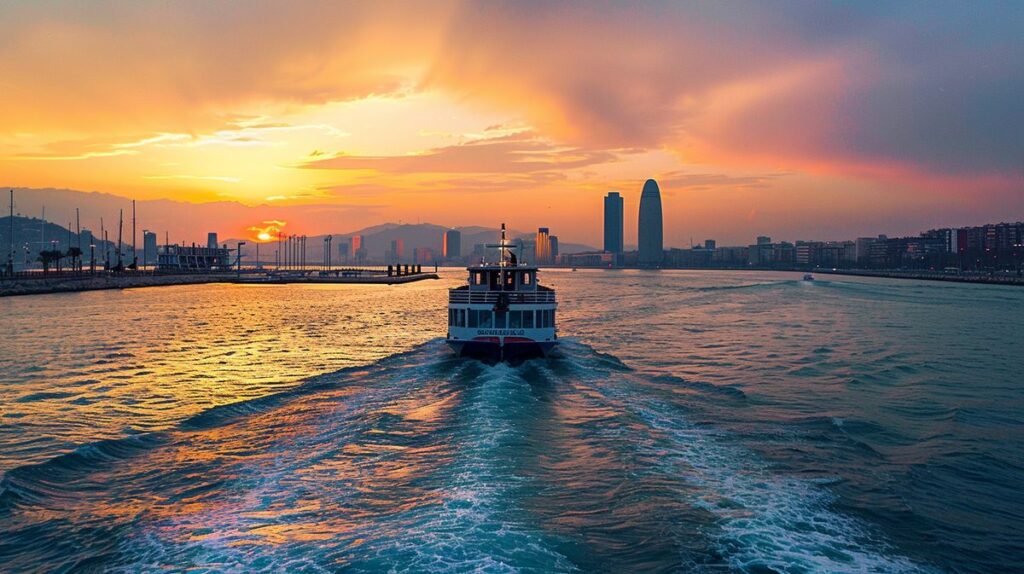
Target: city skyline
<point>326,117</point>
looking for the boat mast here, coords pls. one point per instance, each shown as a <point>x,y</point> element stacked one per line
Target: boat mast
<point>504,249</point>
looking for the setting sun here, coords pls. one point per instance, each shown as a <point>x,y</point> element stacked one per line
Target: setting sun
<point>263,236</point>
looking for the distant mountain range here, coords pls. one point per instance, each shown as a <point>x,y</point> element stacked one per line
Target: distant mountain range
<point>31,233</point>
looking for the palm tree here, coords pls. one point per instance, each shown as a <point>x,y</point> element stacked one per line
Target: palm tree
<point>75,254</point>
<point>47,257</point>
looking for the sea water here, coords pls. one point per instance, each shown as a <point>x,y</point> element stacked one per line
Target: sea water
<point>691,421</point>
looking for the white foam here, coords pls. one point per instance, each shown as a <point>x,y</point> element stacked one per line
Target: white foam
<point>468,529</point>
<point>764,520</point>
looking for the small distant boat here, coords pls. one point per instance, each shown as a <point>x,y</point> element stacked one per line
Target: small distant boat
<point>502,313</point>
<point>808,277</point>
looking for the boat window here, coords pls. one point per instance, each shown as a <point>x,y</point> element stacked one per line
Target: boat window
<point>485,319</point>
<point>461,319</point>
<point>472,318</point>
<point>499,320</point>
<point>450,313</point>
<point>510,281</point>
<point>515,319</point>
<point>527,278</point>
<point>494,281</point>
<point>545,318</point>
<point>527,319</point>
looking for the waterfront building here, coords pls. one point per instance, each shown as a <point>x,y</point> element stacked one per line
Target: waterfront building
<point>553,241</point>
<point>479,251</point>
<point>397,251</point>
<point>358,248</point>
<point>696,258</point>
<point>211,240</point>
<point>862,249</point>
<point>423,255</point>
<point>650,233</point>
<point>343,252</point>
<point>149,247</point>
<point>587,259</point>
<point>86,239</point>
<point>199,259</point>
<point>613,223</point>
<point>452,244</point>
<point>542,247</point>
<point>709,244</point>
<point>826,253</point>
<point>730,256</point>
<point>769,254</point>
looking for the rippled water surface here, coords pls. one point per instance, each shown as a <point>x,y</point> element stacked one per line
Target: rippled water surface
<point>692,421</point>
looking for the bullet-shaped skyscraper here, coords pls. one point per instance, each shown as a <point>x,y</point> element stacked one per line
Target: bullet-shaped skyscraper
<point>613,223</point>
<point>649,231</point>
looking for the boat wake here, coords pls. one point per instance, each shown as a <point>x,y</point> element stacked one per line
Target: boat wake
<point>426,462</point>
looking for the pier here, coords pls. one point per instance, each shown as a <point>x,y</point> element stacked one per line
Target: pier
<point>38,283</point>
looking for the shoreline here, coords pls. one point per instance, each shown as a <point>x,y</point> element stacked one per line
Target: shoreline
<point>880,273</point>
<point>928,276</point>
<point>79,284</point>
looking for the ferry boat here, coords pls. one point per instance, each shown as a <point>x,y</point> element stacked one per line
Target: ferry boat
<point>502,313</point>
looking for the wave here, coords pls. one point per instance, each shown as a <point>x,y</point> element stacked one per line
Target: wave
<point>764,521</point>
<point>32,481</point>
<point>425,462</point>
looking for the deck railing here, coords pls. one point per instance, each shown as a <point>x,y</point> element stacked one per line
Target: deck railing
<point>465,296</point>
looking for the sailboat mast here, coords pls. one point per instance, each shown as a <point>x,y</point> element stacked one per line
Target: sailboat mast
<point>10,261</point>
<point>120,227</point>
<point>135,246</point>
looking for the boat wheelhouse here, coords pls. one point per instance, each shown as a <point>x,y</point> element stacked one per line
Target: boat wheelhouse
<point>502,313</point>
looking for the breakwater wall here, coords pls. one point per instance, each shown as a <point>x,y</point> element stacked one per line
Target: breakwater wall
<point>77,283</point>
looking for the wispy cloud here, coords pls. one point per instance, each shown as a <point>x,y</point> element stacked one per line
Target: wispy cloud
<point>79,156</point>
<point>521,152</point>
<point>225,179</point>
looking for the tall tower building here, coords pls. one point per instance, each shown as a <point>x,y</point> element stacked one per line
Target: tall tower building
<point>452,244</point>
<point>397,250</point>
<point>542,247</point>
<point>149,248</point>
<point>613,223</point>
<point>650,235</point>
<point>211,240</point>
<point>358,249</point>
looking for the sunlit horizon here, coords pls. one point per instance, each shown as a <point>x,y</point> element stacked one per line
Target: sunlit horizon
<point>334,117</point>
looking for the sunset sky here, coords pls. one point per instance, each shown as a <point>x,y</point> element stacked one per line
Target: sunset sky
<point>796,119</point>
